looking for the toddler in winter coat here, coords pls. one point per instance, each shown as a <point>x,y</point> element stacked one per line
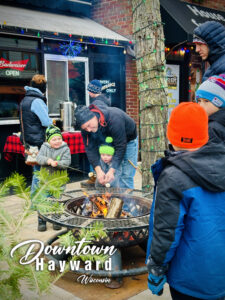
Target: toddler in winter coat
<point>53,155</point>
<point>211,96</point>
<point>186,228</point>
<point>106,154</point>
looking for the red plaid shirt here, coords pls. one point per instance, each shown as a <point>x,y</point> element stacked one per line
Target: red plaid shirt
<point>14,145</point>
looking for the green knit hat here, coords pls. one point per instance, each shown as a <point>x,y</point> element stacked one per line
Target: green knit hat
<point>52,131</point>
<point>107,148</point>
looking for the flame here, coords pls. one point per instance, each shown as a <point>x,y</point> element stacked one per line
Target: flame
<point>101,203</point>
<point>85,194</point>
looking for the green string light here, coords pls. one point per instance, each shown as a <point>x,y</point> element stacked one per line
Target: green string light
<point>154,51</point>
<point>156,68</point>
<point>151,89</point>
<point>153,124</point>
<point>153,24</point>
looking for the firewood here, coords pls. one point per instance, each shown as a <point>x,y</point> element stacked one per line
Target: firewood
<point>115,208</point>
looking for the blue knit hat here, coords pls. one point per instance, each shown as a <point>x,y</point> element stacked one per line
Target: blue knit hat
<point>95,86</point>
<point>213,89</point>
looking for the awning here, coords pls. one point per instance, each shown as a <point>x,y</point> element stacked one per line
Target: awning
<point>181,18</point>
<point>50,22</point>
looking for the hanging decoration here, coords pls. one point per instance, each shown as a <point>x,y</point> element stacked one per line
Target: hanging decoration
<point>70,49</point>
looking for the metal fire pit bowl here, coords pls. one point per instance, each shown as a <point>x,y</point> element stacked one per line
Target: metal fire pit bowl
<point>121,232</point>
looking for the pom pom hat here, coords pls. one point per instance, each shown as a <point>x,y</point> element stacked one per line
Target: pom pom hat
<point>188,126</point>
<point>213,89</point>
<point>52,131</point>
<point>107,148</point>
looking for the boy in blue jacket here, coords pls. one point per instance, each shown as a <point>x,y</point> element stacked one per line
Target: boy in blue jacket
<point>187,223</point>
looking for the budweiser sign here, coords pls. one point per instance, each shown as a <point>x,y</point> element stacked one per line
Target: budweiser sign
<point>16,65</point>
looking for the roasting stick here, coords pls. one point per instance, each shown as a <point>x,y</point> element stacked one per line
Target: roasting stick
<point>135,166</point>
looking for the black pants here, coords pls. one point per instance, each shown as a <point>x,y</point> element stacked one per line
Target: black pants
<point>179,296</point>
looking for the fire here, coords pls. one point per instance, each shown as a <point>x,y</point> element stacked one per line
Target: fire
<point>101,203</point>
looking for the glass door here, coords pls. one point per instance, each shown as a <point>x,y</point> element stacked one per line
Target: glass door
<point>67,79</point>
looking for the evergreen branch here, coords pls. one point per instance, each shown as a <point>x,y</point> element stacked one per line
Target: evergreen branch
<point>7,220</point>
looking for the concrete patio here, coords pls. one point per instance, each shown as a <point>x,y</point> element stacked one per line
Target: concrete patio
<point>133,288</point>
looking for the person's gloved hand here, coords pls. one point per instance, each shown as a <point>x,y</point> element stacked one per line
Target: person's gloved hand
<point>156,277</point>
<point>156,283</point>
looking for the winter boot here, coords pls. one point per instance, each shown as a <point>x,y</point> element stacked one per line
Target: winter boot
<point>90,183</point>
<point>41,224</point>
<point>57,227</point>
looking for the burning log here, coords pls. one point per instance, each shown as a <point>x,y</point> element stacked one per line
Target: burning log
<point>115,208</point>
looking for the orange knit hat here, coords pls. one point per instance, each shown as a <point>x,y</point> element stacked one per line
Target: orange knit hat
<point>188,126</point>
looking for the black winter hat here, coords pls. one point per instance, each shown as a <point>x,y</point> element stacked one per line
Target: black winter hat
<point>82,114</point>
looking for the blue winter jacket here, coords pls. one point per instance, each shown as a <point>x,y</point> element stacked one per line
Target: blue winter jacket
<point>213,33</point>
<point>187,222</point>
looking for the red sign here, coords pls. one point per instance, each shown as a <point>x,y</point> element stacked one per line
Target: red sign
<point>16,65</point>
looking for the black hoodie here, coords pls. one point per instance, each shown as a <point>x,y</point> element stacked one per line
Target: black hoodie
<point>217,126</point>
<point>119,126</point>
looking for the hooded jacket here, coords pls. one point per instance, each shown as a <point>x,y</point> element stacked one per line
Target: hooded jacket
<point>102,98</point>
<point>217,126</point>
<point>187,221</point>
<point>61,155</point>
<point>213,33</point>
<point>118,125</point>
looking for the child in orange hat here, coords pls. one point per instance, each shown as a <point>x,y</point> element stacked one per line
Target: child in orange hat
<point>186,233</point>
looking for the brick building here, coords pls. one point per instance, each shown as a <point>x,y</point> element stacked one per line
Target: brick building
<point>117,15</point>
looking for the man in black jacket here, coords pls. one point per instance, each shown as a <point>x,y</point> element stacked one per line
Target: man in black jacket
<point>209,38</point>
<point>98,122</point>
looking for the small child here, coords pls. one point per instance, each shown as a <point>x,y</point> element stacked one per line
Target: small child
<point>54,154</point>
<point>106,154</point>
<point>211,96</point>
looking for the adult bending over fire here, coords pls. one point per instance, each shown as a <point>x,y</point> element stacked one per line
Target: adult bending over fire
<point>96,123</point>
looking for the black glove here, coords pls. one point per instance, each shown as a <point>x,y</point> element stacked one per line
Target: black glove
<point>156,277</point>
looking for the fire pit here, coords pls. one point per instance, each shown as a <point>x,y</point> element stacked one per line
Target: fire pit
<point>122,231</point>
<point>128,230</point>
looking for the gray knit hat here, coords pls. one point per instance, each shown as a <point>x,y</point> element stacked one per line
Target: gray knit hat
<point>82,114</point>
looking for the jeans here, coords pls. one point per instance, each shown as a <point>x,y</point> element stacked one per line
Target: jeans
<point>34,183</point>
<point>128,171</point>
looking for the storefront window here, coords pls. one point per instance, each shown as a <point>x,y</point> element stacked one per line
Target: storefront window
<point>110,76</point>
<point>18,65</point>
<point>18,43</point>
<point>16,70</point>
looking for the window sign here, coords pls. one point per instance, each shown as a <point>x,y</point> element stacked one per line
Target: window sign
<point>110,76</point>
<point>173,83</point>
<point>18,65</point>
<point>108,87</point>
